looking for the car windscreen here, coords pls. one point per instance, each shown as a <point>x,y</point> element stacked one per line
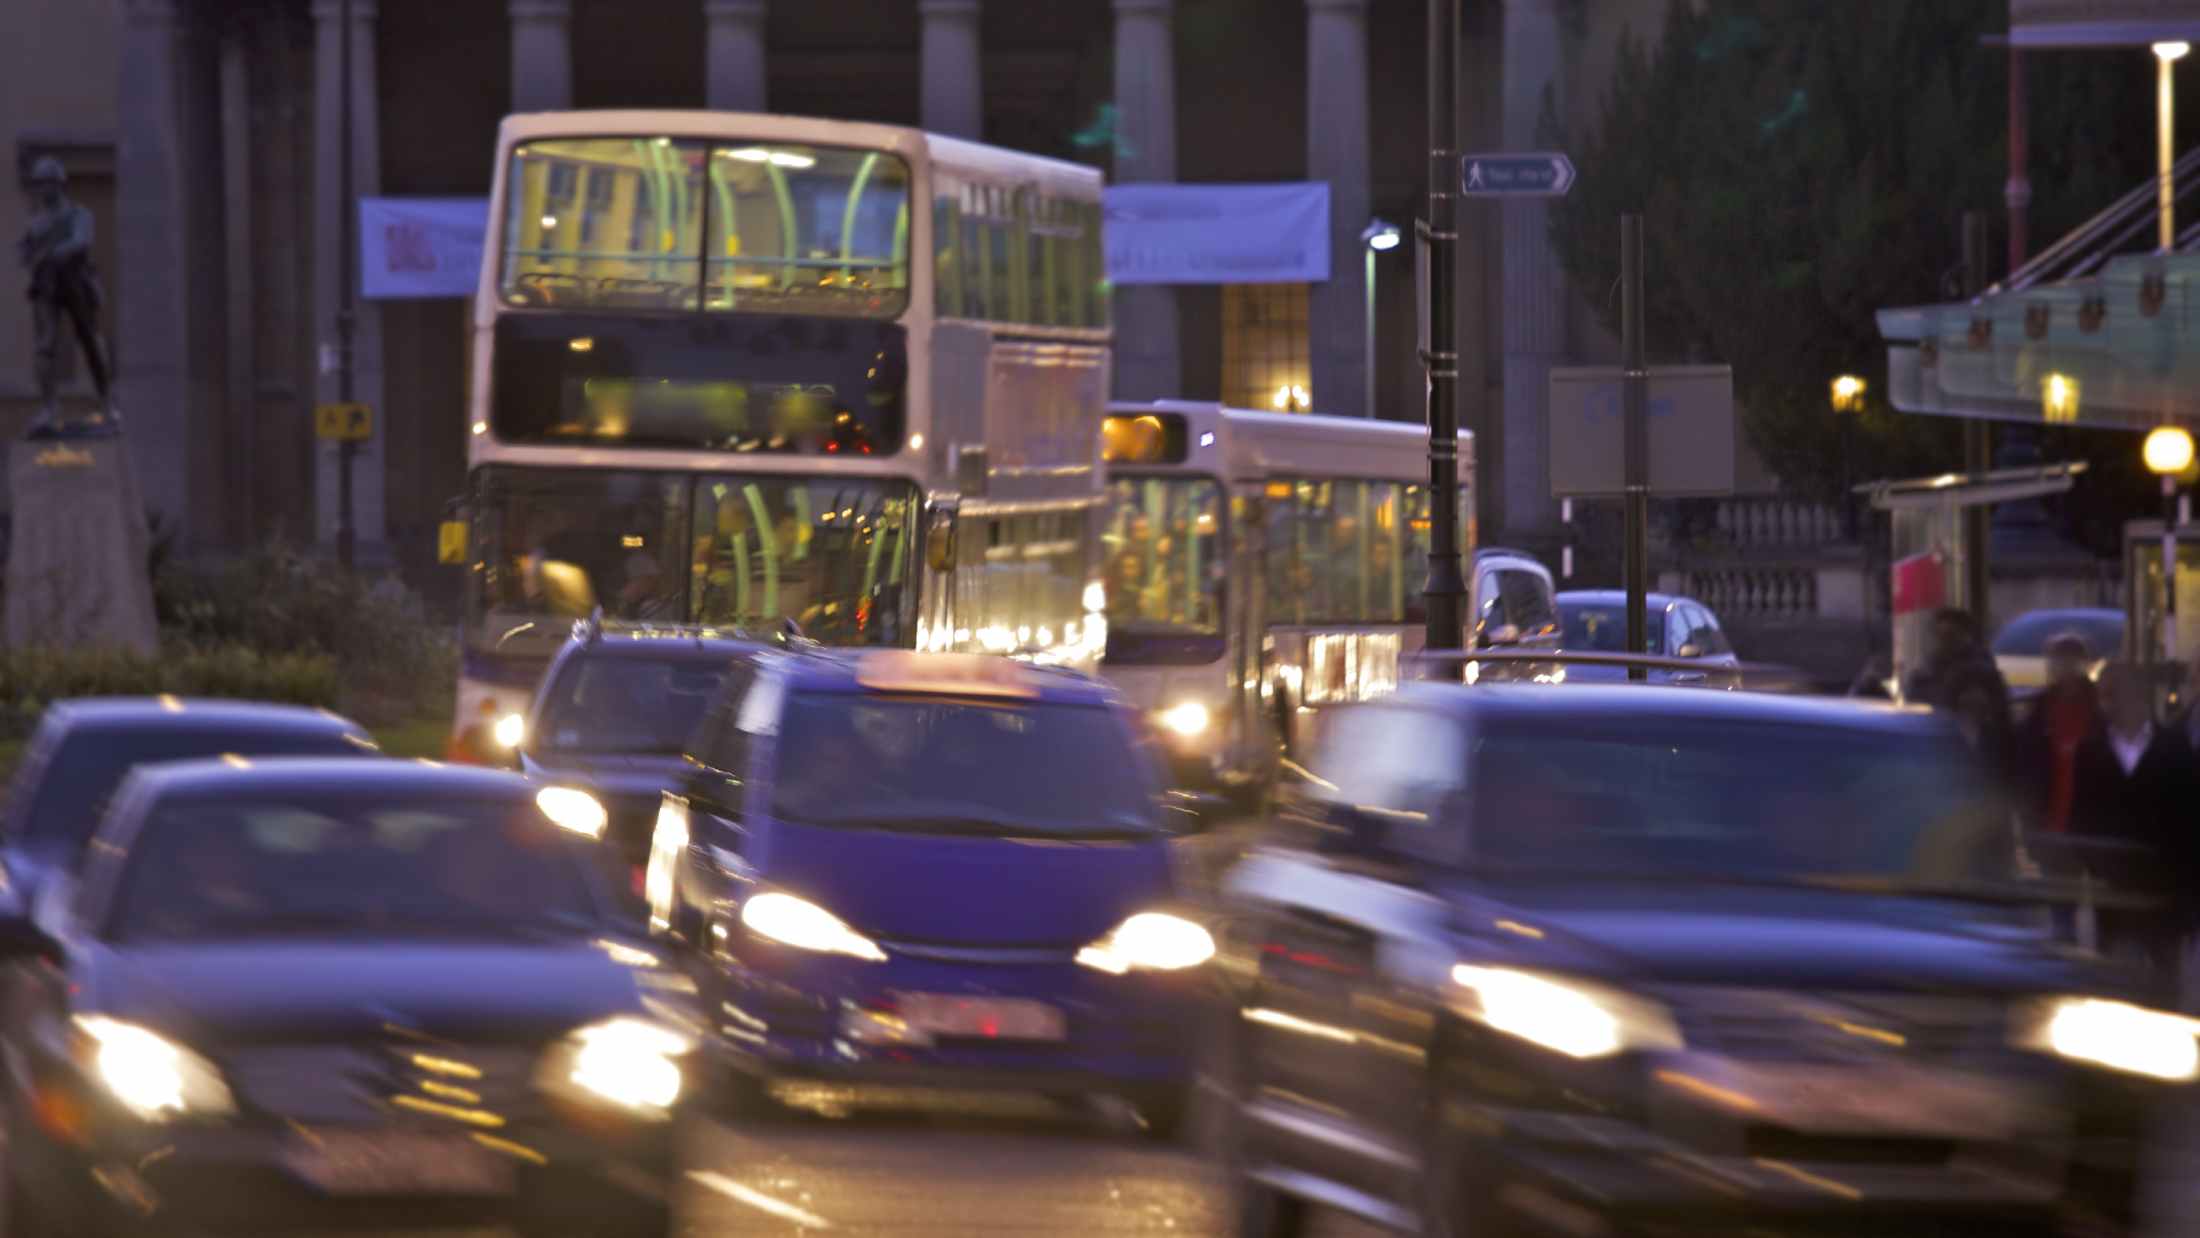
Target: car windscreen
<point>1691,797</point>
<point>1602,627</point>
<point>89,764</point>
<point>2027,635</point>
<point>351,864</point>
<point>627,705</point>
<point>950,766</point>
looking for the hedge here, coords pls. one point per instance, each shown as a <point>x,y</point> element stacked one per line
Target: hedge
<point>30,678</point>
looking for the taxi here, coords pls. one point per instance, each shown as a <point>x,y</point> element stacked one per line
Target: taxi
<point>936,870</point>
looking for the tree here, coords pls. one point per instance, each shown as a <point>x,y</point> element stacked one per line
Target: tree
<point>1800,166</point>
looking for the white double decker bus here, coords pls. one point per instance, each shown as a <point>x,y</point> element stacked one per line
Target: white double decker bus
<point>1264,566</point>
<point>745,371</point>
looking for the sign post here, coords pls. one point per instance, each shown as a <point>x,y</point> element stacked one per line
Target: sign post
<point>1447,581</point>
<point>1636,396</point>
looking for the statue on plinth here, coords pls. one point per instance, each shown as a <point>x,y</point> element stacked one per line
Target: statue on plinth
<point>56,252</point>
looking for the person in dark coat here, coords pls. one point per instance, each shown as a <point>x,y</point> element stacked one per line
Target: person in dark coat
<point>2045,750</point>
<point>1959,677</point>
<point>2135,784</point>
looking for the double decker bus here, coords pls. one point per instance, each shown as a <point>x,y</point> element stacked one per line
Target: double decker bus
<point>1262,567</point>
<point>763,373</point>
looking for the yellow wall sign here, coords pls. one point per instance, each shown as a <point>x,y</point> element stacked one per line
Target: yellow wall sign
<point>343,423</point>
<point>450,542</point>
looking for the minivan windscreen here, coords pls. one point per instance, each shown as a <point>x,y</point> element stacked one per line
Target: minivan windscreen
<point>959,767</point>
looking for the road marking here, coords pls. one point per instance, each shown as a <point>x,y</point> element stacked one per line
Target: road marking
<point>759,1200</point>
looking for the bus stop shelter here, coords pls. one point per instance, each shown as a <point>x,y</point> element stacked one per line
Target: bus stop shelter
<point>1926,568</point>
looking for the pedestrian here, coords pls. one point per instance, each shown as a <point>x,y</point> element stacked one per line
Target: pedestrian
<point>2063,717</point>
<point>1959,677</point>
<point>2134,784</point>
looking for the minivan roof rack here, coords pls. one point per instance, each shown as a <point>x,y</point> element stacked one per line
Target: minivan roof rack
<point>1746,676</point>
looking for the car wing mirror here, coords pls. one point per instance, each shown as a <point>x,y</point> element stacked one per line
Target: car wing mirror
<point>1690,650</point>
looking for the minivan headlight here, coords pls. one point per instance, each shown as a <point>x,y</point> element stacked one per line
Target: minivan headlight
<point>2117,1035</point>
<point>1562,1014</point>
<point>1150,941</point>
<point>150,1075</point>
<point>630,1062</point>
<point>800,923</point>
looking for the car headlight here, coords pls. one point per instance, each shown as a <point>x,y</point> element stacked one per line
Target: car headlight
<point>509,730</point>
<point>573,809</point>
<point>630,1062</point>
<point>800,923</point>
<point>1187,719</point>
<point>153,1077</point>
<point>2117,1035</point>
<point>1150,941</point>
<point>1564,1015</point>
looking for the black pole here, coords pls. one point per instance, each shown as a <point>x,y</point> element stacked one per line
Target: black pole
<point>1446,579</point>
<point>347,243</point>
<point>1978,444</point>
<point>1635,396</point>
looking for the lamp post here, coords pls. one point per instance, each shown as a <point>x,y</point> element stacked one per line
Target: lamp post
<point>1378,237</point>
<point>2168,452</point>
<point>2166,56</point>
<point>1848,401</point>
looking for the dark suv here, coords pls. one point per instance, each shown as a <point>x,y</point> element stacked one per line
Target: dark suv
<point>613,714</point>
<point>1653,959</point>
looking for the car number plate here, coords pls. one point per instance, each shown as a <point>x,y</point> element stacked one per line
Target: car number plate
<point>399,1163</point>
<point>982,1018</point>
<point>1885,1100</point>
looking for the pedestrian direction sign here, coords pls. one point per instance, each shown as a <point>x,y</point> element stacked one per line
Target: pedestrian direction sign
<point>1529,174</point>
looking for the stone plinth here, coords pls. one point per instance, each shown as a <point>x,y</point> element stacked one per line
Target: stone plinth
<point>76,572</point>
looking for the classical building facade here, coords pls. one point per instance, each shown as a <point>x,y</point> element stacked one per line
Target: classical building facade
<point>206,136</point>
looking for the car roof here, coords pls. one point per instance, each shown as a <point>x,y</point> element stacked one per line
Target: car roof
<point>662,646</point>
<point>1656,703</point>
<point>191,713</point>
<point>1618,597</point>
<point>235,775</point>
<point>839,670</point>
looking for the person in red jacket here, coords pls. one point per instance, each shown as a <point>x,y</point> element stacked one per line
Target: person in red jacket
<point>2062,717</point>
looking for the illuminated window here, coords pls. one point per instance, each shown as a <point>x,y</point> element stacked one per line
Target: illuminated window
<point>1264,347</point>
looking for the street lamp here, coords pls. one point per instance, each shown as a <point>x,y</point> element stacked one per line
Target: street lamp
<point>2168,452</point>
<point>1848,400</point>
<point>2166,56</point>
<point>1379,237</point>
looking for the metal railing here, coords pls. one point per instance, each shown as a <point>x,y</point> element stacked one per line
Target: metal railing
<point>2091,244</point>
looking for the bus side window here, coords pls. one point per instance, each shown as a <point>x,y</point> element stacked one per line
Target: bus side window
<point>947,257</point>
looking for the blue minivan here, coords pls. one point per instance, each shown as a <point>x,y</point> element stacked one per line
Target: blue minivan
<point>928,869</point>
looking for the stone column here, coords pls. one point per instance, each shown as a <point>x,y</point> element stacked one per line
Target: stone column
<point>1534,297</point>
<point>152,359</point>
<point>1148,353</point>
<point>167,381</point>
<point>1336,152</point>
<point>542,54</point>
<point>371,457</point>
<point>952,89</point>
<point>733,73</point>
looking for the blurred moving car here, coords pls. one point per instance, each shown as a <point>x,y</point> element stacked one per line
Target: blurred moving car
<point>83,748</point>
<point>2020,648</point>
<point>613,714</point>
<point>1657,960</point>
<point>933,869</point>
<point>293,992</point>
<point>1595,621</point>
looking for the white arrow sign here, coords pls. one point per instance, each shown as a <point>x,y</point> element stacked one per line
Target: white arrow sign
<point>1527,174</point>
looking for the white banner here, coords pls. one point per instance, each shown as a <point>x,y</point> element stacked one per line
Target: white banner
<point>421,247</point>
<point>1218,234</point>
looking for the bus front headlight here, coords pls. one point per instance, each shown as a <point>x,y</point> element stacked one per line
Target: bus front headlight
<point>1187,718</point>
